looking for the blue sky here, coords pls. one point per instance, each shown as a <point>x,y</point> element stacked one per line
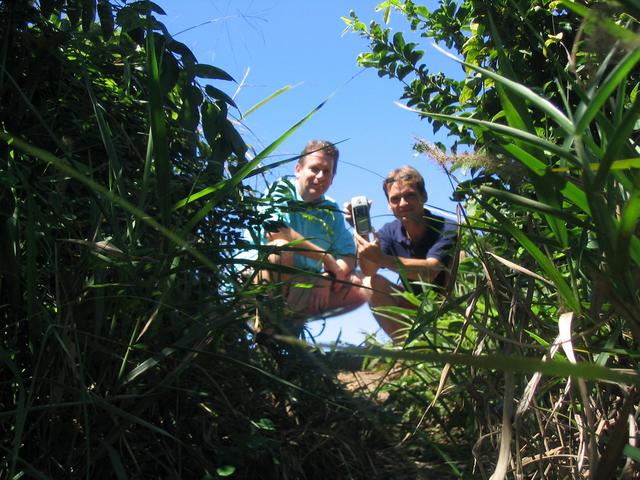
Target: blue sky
<point>274,43</point>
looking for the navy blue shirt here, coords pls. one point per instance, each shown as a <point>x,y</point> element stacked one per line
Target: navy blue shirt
<point>437,243</point>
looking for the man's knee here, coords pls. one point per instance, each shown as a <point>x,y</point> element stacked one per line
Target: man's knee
<point>279,256</point>
<point>378,284</point>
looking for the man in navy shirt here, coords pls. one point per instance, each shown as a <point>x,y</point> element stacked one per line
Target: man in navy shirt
<point>417,244</point>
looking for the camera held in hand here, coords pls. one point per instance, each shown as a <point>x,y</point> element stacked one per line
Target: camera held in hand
<point>360,215</point>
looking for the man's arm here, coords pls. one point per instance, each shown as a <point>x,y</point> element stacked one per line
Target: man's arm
<point>372,258</point>
<point>340,267</point>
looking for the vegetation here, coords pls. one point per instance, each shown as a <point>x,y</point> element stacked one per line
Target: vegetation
<point>125,345</point>
<point>123,352</point>
<point>549,105</point>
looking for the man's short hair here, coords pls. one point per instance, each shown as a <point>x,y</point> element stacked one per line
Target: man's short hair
<point>328,148</point>
<point>404,174</point>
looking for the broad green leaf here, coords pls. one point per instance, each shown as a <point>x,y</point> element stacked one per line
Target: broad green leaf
<point>209,71</point>
<point>219,95</point>
<point>226,470</point>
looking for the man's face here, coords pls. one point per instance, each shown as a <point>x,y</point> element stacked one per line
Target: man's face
<point>314,175</point>
<point>406,202</point>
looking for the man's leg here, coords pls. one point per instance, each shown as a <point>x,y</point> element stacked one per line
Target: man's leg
<point>343,297</point>
<point>383,293</point>
<point>264,322</point>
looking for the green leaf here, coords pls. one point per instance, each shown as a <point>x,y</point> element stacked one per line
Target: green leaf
<point>189,116</point>
<point>219,95</point>
<point>503,130</point>
<point>398,42</point>
<point>209,71</point>
<point>231,135</point>
<point>509,363</point>
<point>211,114</point>
<point>63,166</point>
<point>226,471</point>
<point>628,223</point>
<point>265,424</point>
<point>531,204</point>
<point>632,452</point>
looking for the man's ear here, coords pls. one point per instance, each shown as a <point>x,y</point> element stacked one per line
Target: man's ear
<point>298,168</point>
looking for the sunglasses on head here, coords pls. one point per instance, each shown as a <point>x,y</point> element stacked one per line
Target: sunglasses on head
<point>400,178</point>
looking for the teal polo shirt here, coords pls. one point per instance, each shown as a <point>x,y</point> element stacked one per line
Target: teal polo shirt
<point>320,222</point>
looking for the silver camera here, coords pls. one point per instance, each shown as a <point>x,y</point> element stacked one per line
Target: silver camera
<point>360,215</point>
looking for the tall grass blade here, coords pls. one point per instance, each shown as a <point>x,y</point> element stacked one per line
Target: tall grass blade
<point>545,263</point>
<point>222,187</point>
<point>158,128</point>
<point>20,412</point>
<point>63,166</point>
<point>497,362</point>
<point>604,21</point>
<point>619,74</point>
<point>543,104</point>
<point>618,142</point>
<point>628,223</point>
<point>263,102</point>
<point>503,130</point>
<point>532,205</point>
<point>115,168</point>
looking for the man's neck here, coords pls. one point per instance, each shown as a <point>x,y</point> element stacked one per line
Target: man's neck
<point>302,197</point>
<point>416,229</point>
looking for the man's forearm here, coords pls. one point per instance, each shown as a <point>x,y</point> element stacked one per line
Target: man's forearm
<point>414,268</point>
<point>307,248</point>
<point>368,267</point>
<point>347,264</point>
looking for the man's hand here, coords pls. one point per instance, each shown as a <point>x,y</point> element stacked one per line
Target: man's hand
<point>310,299</point>
<point>319,297</point>
<point>369,251</point>
<point>339,270</point>
<point>348,213</point>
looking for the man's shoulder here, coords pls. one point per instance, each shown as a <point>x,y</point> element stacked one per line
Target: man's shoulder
<point>390,229</point>
<point>329,201</point>
<point>441,222</point>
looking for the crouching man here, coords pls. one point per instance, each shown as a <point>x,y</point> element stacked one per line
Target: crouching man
<point>417,244</point>
<point>308,229</point>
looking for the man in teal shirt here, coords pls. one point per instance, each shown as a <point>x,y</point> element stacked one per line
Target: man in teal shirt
<point>312,228</point>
